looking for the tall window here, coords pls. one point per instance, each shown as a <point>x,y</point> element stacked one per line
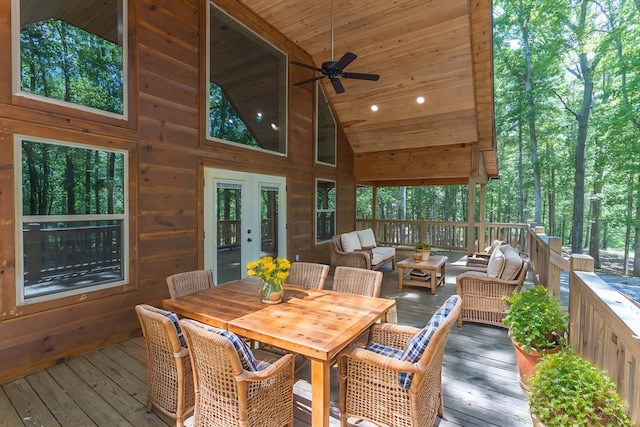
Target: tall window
<point>247,86</point>
<point>325,210</point>
<point>72,210</point>
<point>325,130</point>
<point>71,54</point>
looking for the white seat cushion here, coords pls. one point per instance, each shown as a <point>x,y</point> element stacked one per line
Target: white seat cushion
<point>384,251</point>
<point>350,242</point>
<point>367,238</point>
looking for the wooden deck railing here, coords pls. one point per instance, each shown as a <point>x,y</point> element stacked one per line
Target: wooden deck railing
<point>68,250</point>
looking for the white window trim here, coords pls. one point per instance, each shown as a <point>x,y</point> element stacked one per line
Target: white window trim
<point>15,67</point>
<point>20,220</point>
<point>207,89</point>
<point>335,129</point>
<point>317,211</point>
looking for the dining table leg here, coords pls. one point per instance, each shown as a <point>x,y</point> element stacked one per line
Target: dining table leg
<point>320,393</point>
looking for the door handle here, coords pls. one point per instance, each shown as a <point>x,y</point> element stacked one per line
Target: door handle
<point>249,239</point>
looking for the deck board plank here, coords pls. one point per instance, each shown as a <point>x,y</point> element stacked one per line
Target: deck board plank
<point>8,415</point>
<point>28,404</point>
<point>92,402</point>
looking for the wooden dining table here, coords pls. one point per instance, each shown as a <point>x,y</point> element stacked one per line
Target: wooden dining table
<point>315,323</point>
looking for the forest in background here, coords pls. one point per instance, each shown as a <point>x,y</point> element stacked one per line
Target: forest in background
<point>567,115</point>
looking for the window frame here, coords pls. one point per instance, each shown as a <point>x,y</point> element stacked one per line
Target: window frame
<point>318,211</point>
<point>31,99</point>
<point>63,298</point>
<point>320,91</point>
<point>210,140</point>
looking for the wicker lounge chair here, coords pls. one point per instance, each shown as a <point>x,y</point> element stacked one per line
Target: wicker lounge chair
<point>308,274</point>
<point>483,292</point>
<point>232,390</point>
<point>385,390</point>
<point>170,379</point>
<point>357,281</point>
<point>189,282</point>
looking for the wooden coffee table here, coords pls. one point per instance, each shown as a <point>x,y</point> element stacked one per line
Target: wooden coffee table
<point>435,267</point>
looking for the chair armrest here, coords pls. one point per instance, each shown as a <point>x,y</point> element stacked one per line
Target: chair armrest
<point>283,363</point>
<point>392,335</point>
<point>371,358</point>
<point>483,284</point>
<point>358,259</point>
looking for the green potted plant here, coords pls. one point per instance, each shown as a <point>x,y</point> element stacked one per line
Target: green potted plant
<point>537,325</point>
<point>424,250</point>
<point>568,390</point>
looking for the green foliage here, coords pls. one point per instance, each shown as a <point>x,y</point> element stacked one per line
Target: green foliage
<point>567,390</point>
<point>224,121</point>
<point>423,245</point>
<point>66,63</point>
<point>535,319</point>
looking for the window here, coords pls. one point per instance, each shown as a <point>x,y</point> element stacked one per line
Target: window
<point>247,86</point>
<point>71,55</point>
<point>325,210</point>
<point>325,130</point>
<point>72,210</point>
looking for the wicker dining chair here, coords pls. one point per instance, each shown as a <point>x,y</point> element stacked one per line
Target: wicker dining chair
<point>189,282</point>
<point>357,281</point>
<point>308,274</point>
<point>397,379</point>
<point>170,378</point>
<point>231,388</point>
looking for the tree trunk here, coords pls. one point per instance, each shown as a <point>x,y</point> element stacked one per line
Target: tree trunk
<point>596,212</point>
<point>552,203</point>
<point>636,251</point>
<point>69,186</point>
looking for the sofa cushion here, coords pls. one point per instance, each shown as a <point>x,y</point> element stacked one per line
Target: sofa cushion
<point>381,253</point>
<point>512,264</point>
<point>496,263</point>
<point>350,242</point>
<point>367,238</point>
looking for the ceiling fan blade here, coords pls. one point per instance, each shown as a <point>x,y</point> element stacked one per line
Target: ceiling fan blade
<point>346,59</point>
<point>309,80</point>
<point>337,85</point>
<point>361,76</point>
<point>311,67</point>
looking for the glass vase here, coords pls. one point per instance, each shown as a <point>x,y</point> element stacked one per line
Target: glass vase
<point>271,293</point>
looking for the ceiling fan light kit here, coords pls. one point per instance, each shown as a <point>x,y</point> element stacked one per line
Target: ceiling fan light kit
<point>335,69</point>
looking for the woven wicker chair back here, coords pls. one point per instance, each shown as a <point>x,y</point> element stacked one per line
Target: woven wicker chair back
<point>226,394</point>
<point>357,281</point>
<point>170,378</point>
<point>308,274</point>
<point>189,282</point>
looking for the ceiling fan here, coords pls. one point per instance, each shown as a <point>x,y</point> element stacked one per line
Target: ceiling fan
<point>335,69</point>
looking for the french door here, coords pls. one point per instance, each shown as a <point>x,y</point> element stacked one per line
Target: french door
<point>245,219</point>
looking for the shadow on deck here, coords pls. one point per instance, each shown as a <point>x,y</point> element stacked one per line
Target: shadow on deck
<point>108,386</point>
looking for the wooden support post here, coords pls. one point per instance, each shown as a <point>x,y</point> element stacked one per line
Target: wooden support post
<point>471,217</point>
<point>374,215</point>
<point>580,262</point>
<point>483,212</point>
<point>553,285</point>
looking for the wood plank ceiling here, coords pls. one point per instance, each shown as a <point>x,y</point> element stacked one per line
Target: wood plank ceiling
<point>437,49</point>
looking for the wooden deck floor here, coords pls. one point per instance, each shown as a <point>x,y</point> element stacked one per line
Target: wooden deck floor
<point>107,387</point>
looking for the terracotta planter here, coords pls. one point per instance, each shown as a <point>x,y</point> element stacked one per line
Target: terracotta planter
<point>527,362</point>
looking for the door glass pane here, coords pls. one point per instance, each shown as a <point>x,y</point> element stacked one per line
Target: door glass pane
<point>269,220</point>
<point>229,266</point>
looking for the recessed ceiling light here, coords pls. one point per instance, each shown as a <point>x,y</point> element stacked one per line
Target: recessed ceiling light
<point>374,108</point>
<point>274,126</point>
<point>420,100</point>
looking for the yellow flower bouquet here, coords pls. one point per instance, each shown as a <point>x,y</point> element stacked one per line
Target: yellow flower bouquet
<point>273,272</point>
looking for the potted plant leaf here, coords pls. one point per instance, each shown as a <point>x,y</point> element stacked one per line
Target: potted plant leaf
<point>537,325</point>
<point>424,250</point>
<point>568,390</point>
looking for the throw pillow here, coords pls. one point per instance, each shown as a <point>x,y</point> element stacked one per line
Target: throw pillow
<point>367,238</point>
<point>350,242</point>
<point>174,319</point>
<point>512,264</point>
<point>496,263</point>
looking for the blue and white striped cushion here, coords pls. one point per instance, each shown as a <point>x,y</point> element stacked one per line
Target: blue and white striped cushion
<point>174,319</point>
<point>245,355</point>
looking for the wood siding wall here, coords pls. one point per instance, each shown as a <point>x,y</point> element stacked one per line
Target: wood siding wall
<point>164,136</point>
